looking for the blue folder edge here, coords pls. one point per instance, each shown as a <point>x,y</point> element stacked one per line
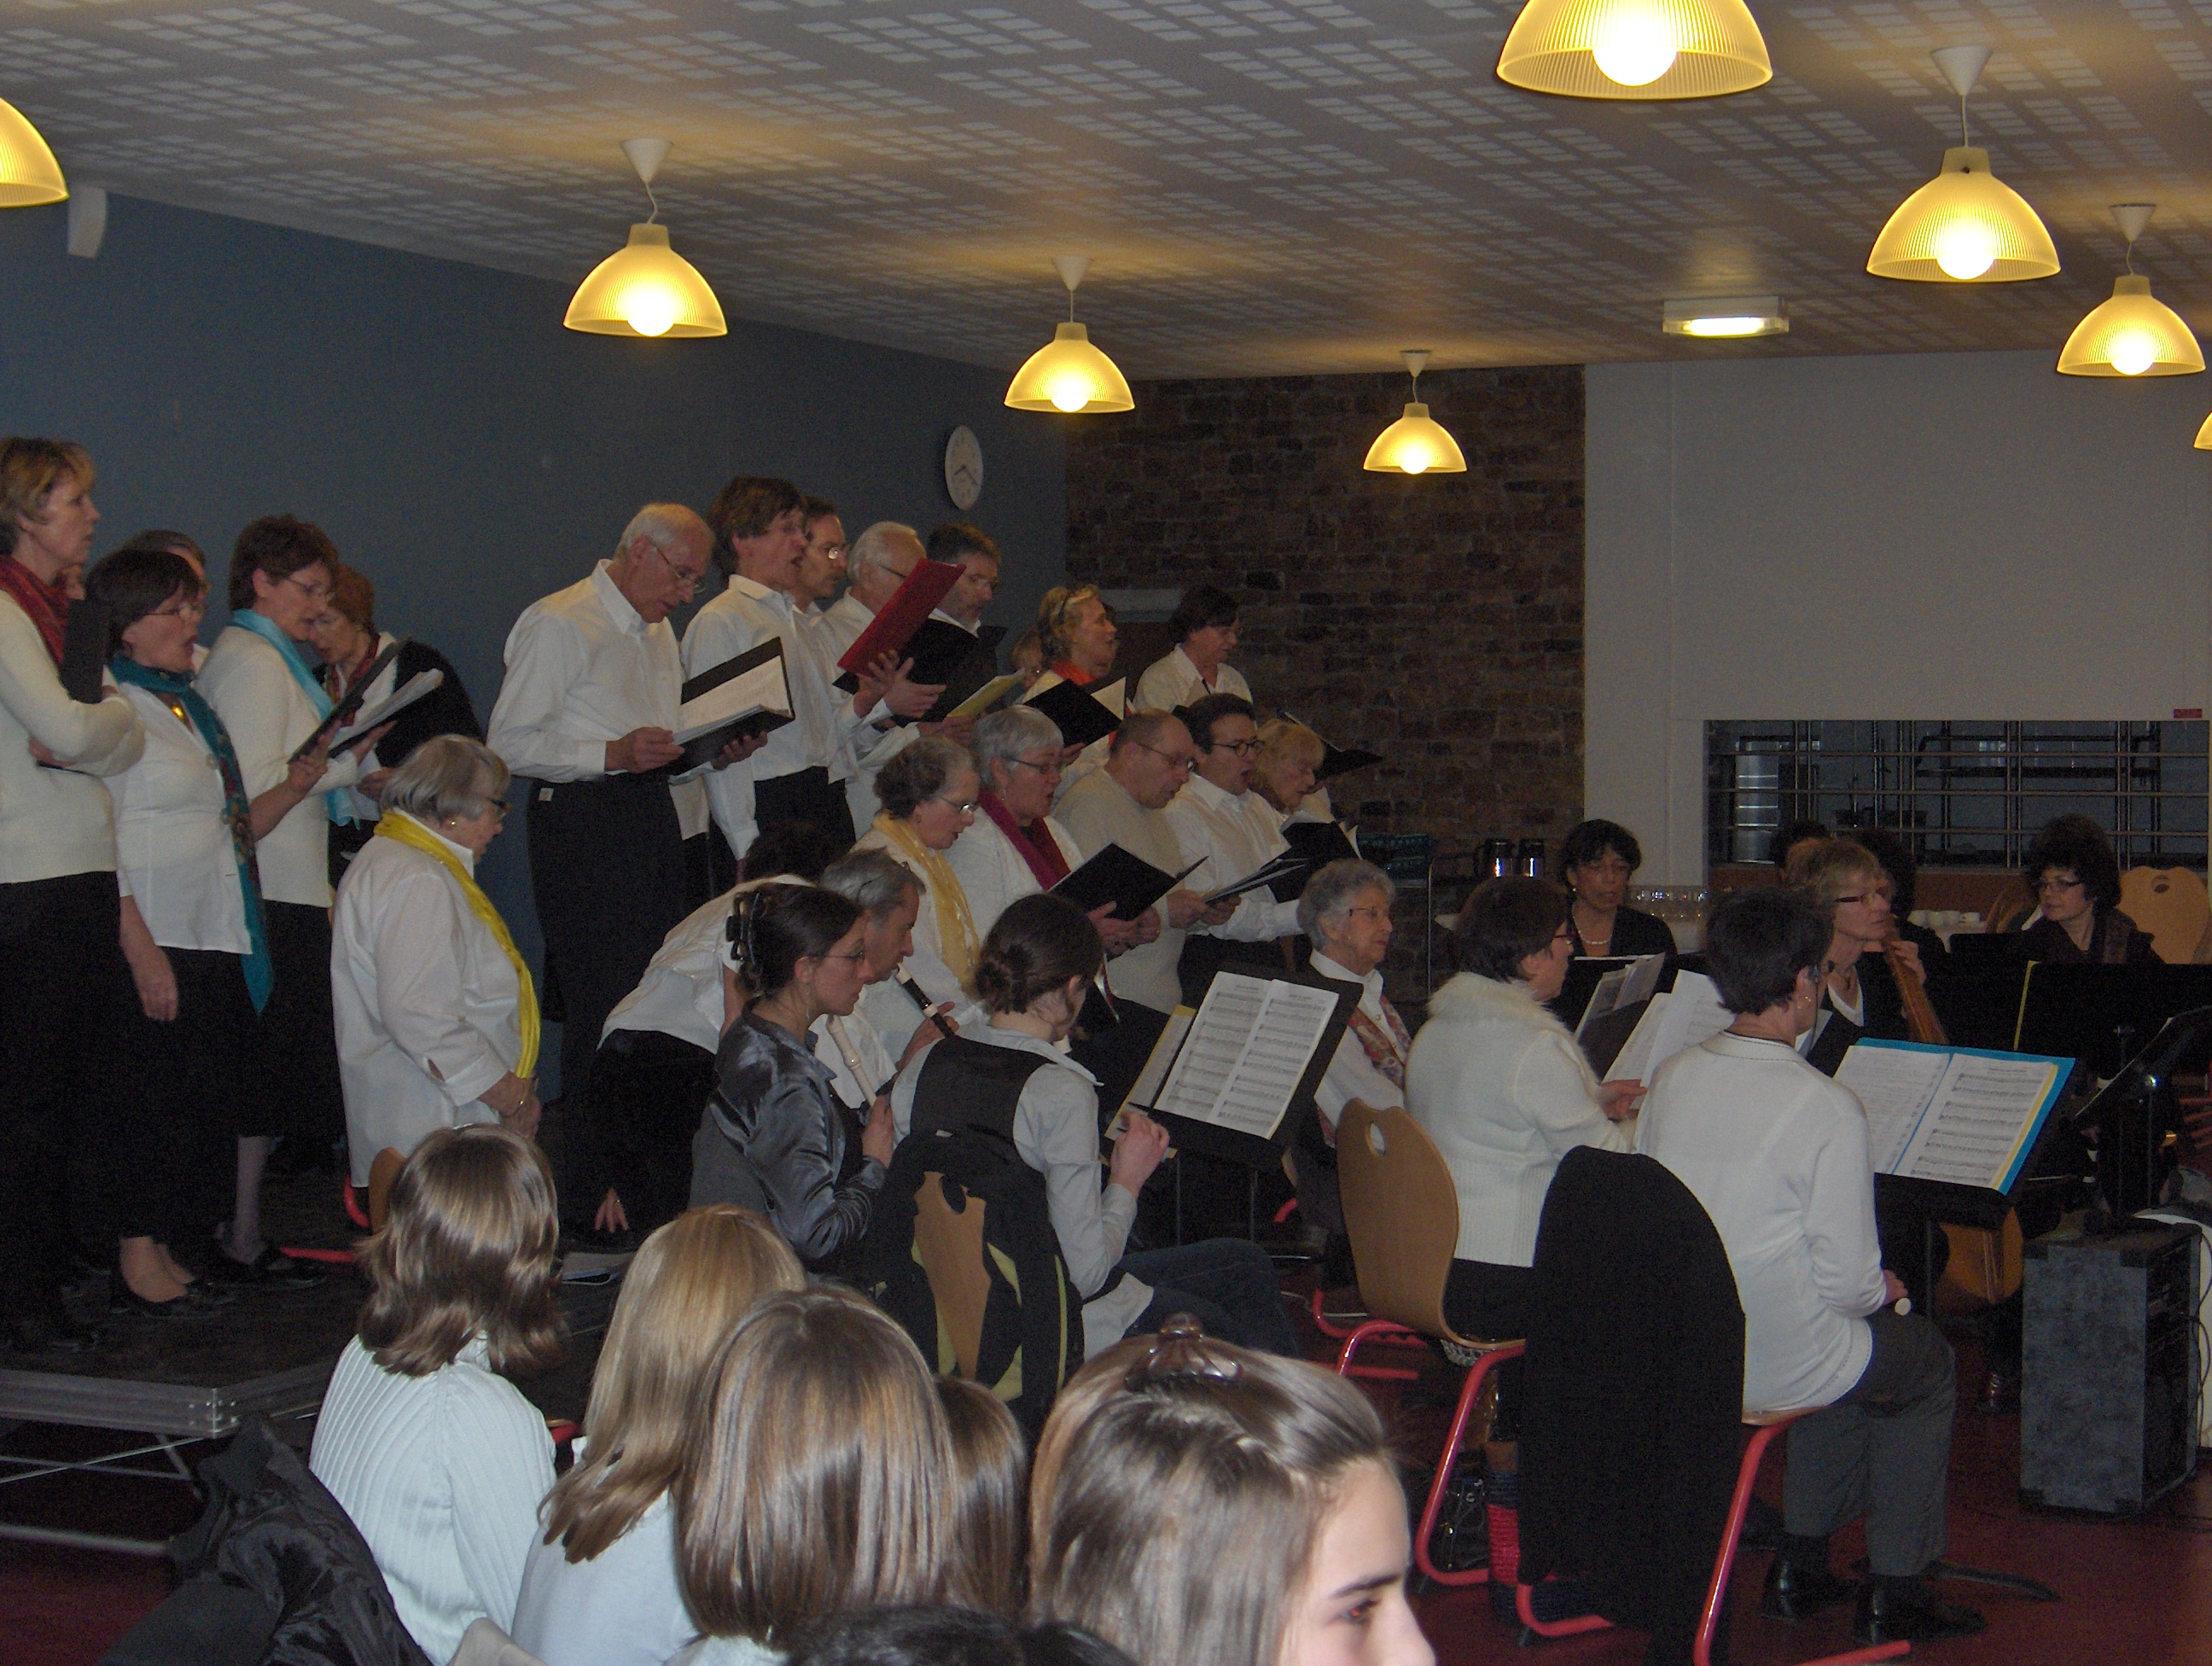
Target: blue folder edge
<point>2063,1070</point>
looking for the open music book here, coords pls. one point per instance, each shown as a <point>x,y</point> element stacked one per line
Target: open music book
<point>1688,1016</point>
<point>341,715</point>
<point>1239,1061</point>
<point>415,688</point>
<point>745,695</point>
<point>1287,866</point>
<point>1958,1115</point>
<point>986,697</point>
<point>1635,980</point>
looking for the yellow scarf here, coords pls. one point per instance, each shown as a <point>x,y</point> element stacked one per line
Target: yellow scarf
<point>955,927</point>
<point>405,830</point>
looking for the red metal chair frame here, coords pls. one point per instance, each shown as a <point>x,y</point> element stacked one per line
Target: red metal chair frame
<point>1746,1476</point>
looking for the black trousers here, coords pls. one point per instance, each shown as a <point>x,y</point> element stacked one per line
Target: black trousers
<point>61,971</point>
<point>806,795</point>
<point>648,1092</point>
<point>292,1086</point>
<point>171,1089</point>
<point>607,872</point>
<point>1490,1301</point>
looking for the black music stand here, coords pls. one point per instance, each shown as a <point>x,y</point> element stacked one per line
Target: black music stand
<point>2135,1111</point>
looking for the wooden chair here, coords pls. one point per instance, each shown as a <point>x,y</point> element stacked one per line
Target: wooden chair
<point>950,1246</point>
<point>381,1174</point>
<point>2171,905</point>
<point>1401,1211</point>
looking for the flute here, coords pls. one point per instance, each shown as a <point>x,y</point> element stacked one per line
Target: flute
<point>913,993</point>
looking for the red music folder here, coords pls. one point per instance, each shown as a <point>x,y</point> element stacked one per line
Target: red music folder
<point>912,602</point>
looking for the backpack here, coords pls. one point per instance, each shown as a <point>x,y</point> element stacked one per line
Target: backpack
<point>962,1135</point>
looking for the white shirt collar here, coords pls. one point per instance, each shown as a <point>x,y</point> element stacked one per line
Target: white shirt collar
<point>626,618</point>
<point>1016,1041</point>
<point>971,630</point>
<point>1211,796</point>
<point>468,857</point>
<point>760,592</point>
<point>1372,983</point>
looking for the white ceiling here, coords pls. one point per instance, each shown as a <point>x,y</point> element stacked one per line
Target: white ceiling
<point>1267,186</point>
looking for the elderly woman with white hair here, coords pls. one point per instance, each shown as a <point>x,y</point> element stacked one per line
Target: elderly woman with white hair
<point>437,1019</point>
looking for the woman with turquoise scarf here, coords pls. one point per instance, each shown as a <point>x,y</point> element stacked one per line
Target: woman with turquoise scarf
<point>258,680</point>
<point>192,933</point>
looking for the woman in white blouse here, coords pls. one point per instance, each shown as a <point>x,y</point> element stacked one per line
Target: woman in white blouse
<point>437,1457</point>
<point>258,680</point>
<point>1205,627</point>
<point>192,933</point>
<point>437,1019</point>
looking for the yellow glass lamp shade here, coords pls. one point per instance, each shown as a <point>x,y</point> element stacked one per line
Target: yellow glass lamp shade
<point>1964,226</point>
<point>646,289</point>
<point>2204,435</point>
<point>2133,334</point>
<point>1415,444</point>
<point>1635,49</point>
<point>1067,374</point>
<point>29,174</point>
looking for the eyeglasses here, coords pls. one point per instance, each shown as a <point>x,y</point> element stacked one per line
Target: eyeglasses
<point>1241,748</point>
<point>959,807</point>
<point>684,577</point>
<point>1372,911</point>
<point>2057,882</point>
<point>196,609</point>
<point>316,592</point>
<point>1185,764</point>
<point>1049,766</point>
<point>857,954</point>
<point>1868,896</point>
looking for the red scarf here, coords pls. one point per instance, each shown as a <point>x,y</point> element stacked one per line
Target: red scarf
<point>46,603</point>
<point>1040,852</point>
<point>1068,671</point>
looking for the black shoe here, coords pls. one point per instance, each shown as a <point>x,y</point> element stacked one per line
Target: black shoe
<point>272,1270</point>
<point>1910,1613</point>
<point>1795,1590</point>
<point>47,1330</point>
<point>195,1302</point>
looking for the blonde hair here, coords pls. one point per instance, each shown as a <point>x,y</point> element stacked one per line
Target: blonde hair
<point>818,1481</point>
<point>1828,868</point>
<point>1054,611</point>
<point>1284,739</point>
<point>1180,1490</point>
<point>990,1484</point>
<point>691,1283</point>
<point>468,1247</point>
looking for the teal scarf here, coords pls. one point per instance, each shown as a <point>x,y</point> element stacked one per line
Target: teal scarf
<point>181,697</point>
<point>340,806</point>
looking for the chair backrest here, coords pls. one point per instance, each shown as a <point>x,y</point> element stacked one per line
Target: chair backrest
<point>1401,1213</point>
<point>950,1249</point>
<point>2172,905</point>
<point>381,1173</point>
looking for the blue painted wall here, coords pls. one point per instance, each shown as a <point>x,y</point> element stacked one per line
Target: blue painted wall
<point>466,452</point>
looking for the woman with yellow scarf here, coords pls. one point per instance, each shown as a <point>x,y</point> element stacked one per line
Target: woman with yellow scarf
<point>929,794</point>
<point>437,1020</point>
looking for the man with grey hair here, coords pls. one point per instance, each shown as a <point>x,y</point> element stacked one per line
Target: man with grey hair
<point>889,897</point>
<point>585,718</point>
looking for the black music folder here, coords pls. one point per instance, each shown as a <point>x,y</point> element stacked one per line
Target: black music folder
<point>1318,845</point>
<point>1289,868</point>
<point>1083,717</point>
<point>744,695</point>
<point>1337,760</point>
<point>943,653</point>
<point>1130,883</point>
<point>84,652</point>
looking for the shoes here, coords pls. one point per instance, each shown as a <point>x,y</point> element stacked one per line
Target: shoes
<point>47,1330</point>
<point>272,1270</point>
<point>2001,1394</point>
<point>1795,1590</point>
<point>196,1301</point>
<point>1910,1613</point>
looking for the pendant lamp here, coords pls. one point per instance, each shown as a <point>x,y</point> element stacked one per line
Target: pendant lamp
<point>646,287</point>
<point>1966,225</point>
<point>28,173</point>
<point>1415,444</point>
<point>2131,334</point>
<point>1067,374</point>
<point>1635,49</point>
<point>2204,435</point>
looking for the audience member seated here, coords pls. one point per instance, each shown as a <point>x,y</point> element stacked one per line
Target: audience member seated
<point>949,1636</point>
<point>61,963</point>
<point>990,1500</point>
<point>1859,994</point>
<point>818,1482</point>
<point>192,936</point>
<point>1036,966</point>
<point>1502,1090</point>
<point>1196,1504</point>
<point>1779,1155</point>
<point>655,1066</point>
<point>600,1588</point>
<point>437,1018</point>
<point>1205,629</point>
<point>1345,913</point>
<point>345,635</point>
<point>929,794</point>
<point>775,1137</point>
<point>2075,880</point>
<point>1598,861</point>
<point>437,1457</point>
<point>1218,819</point>
<point>1284,771</point>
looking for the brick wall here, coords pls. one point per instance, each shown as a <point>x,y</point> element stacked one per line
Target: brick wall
<point>1437,620</point>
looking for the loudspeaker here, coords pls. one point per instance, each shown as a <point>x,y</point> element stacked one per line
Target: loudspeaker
<point>2109,1382</point>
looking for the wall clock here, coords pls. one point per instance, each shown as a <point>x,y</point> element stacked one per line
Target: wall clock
<point>963,469</point>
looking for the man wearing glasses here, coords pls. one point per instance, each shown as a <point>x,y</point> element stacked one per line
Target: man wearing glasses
<point>1219,817</point>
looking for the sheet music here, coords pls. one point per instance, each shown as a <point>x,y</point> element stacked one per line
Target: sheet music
<point>1895,1085</point>
<point>1624,986</point>
<point>1146,1091</point>
<point>1633,1062</point>
<point>1979,1119</point>
<point>1689,1016</point>
<point>420,683</point>
<point>761,688</point>
<point>1247,1050</point>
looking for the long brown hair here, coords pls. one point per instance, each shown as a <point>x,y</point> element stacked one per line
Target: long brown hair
<point>691,1281</point>
<point>468,1247</point>
<point>990,1481</point>
<point>819,1479</point>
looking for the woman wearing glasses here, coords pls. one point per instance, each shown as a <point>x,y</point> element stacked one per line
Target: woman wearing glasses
<point>437,1018</point>
<point>775,1138</point>
<point>259,679</point>
<point>931,794</point>
<point>2076,878</point>
<point>1859,993</point>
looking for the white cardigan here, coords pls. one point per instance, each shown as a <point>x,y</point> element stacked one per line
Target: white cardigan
<point>54,823</point>
<point>994,874</point>
<point>1505,1093</point>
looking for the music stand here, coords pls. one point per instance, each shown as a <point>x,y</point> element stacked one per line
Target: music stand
<point>2135,1111</point>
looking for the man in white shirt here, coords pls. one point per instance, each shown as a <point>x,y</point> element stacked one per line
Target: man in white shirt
<point>1216,816</point>
<point>821,571</point>
<point>760,538</point>
<point>585,716</point>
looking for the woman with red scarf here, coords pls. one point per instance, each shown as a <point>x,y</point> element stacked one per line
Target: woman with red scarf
<point>61,958</point>
<point>1016,849</point>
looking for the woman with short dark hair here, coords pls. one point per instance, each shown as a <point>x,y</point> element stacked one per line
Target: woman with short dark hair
<point>2075,879</point>
<point>1204,630</point>
<point>1504,1092</point>
<point>1598,859</point>
<point>438,1458</point>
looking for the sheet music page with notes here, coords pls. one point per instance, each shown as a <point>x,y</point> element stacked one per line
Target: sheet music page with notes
<point>1962,1116</point>
<point>1246,1052</point>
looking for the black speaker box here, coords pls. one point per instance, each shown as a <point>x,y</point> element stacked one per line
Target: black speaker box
<point>2108,1388</point>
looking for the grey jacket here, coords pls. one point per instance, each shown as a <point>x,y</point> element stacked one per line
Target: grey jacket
<point>775,1139</point>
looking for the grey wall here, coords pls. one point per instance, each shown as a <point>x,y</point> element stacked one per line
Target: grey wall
<point>465,450</point>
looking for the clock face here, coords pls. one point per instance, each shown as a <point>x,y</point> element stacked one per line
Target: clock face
<point>963,469</point>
